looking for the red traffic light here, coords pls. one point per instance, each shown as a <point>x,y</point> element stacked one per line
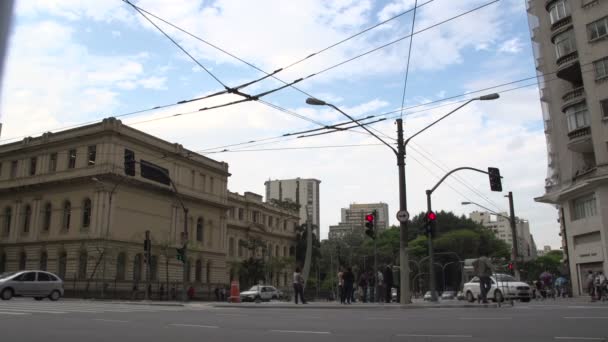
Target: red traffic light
<point>369,218</point>
<point>431,216</point>
<point>510,266</point>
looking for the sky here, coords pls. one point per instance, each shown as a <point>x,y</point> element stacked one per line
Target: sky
<point>78,61</point>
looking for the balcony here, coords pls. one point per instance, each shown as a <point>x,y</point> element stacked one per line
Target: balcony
<point>580,140</point>
<point>565,21</point>
<point>569,69</point>
<point>573,96</point>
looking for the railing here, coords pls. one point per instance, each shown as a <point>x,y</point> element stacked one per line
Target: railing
<point>567,58</point>
<point>579,132</point>
<point>573,94</point>
<point>561,23</point>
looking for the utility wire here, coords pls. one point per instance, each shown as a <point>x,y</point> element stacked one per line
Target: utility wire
<point>409,55</point>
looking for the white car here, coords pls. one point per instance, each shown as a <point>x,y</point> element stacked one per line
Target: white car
<point>37,284</point>
<point>507,287</point>
<point>260,293</point>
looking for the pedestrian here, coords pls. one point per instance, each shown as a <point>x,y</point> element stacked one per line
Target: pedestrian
<point>349,281</point>
<point>190,292</point>
<point>223,294</point>
<point>217,294</point>
<point>388,283</point>
<point>161,292</point>
<point>363,283</point>
<point>173,292</point>
<point>134,292</point>
<point>298,286</point>
<point>600,283</point>
<point>483,269</point>
<point>589,284</point>
<point>381,289</point>
<point>341,286</point>
<point>539,289</point>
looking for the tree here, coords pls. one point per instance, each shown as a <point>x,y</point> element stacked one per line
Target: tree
<point>301,234</point>
<point>551,262</point>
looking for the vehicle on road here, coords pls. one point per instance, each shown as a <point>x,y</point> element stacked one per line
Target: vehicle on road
<point>260,293</point>
<point>507,287</point>
<point>460,295</point>
<point>37,284</point>
<point>448,295</point>
<point>427,295</point>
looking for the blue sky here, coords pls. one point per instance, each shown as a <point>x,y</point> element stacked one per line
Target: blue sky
<point>74,61</point>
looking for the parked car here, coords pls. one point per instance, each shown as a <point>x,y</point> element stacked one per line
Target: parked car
<point>460,295</point>
<point>427,295</point>
<point>260,293</point>
<point>507,287</point>
<point>37,284</point>
<point>448,295</point>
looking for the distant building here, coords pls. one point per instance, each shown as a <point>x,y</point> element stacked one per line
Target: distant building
<point>501,226</point>
<point>302,191</point>
<point>544,251</point>
<point>353,218</point>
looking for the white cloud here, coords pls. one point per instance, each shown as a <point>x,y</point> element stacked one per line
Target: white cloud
<point>513,45</point>
<point>116,33</point>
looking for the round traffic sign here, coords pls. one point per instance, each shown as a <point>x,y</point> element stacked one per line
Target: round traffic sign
<point>403,215</point>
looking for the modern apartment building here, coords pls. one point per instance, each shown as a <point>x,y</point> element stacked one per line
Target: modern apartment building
<point>302,191</point>
<point>570,43</point>
<point>353,218</point>
<point>501,227</point>
<point>79,203</point>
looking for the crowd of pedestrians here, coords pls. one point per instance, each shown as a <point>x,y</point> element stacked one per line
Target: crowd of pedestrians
<point>597,285</point>
<point>362,288</point>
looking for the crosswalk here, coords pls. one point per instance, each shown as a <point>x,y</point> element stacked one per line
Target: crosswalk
<point>23,307</point>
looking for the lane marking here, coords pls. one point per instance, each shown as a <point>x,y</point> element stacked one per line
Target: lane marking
<point>585,317</point>
<point>236,315</point>
<point>13,313</point>
<point>33,311</point>
<point>438,336</point>
<point>194,325</point>
<point>302,332</point>
<point>580,338</point>
<point>485,318</point>
<point>110,320</point>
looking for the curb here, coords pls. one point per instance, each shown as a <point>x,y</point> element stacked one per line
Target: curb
<point>355,307</point>
<point>133,303</point>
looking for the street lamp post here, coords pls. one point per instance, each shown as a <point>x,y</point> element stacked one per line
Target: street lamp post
<point>400,153</point>
<point>443,271</point>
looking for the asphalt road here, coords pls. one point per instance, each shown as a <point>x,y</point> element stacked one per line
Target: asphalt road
<point>28,320</point>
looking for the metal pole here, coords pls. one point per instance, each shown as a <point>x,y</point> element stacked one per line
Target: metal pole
<point>308,257</point>
<point>105,241</point>
<point>147,251</point>
<point>431,255</point>
<point>515,249</point>
<point>404,264</point>
<point>375,263</point>
<point>186,269</point>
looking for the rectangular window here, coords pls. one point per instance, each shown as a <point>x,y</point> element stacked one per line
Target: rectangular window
<point>583,207</point>
<point>211,185</point>
<point>53,162</point>
<point>203,182</point>
<point>0,169</point>
<point>241,214</point>
<point>154,172</point>
<point>33,162</point>
<point>256,216</point>
<point>604,106</point>
<point>564,43</point>
<point>577,117</point>
<point>601,68</point>
<point>129,160</point>
<point>71,159</point>
<point>598,29</point>
<point>14,168</point>
<point>92,154</point>
<point>558,11</point>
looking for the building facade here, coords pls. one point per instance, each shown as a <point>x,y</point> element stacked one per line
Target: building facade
<point>571,51</point>
<point>79,202</point>
<point>353,219</point>
<point>501,227</point>
<point>302,191</point>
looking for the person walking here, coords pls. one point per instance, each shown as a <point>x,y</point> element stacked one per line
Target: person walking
<point>381,289</point>
<point>600,283</point>
<point>589,284</point>
<point>363,283</point>
<point>341,286</point>
<point>217,294</point>
<point>349,281</point>
<point>388,283</point>
<point>483,269</point>
<point>161,292</point>
<point>298,286</point>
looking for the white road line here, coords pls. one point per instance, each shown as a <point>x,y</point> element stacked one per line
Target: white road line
<point>302,332</point>
<point>194,325</point>
<point>33,311</point>
<point>580,338</point>
<point>485,318</point>
<point>585,317</point>
<point>13,313</point>
<point>438,336</point>
<point>110,320</point>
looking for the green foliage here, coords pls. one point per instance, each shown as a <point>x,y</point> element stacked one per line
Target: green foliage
<point>301,237</point>
<point>551,262</point>
<point>287,205</point>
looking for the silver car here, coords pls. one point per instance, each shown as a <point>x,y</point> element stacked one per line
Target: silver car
<point>37,284</point>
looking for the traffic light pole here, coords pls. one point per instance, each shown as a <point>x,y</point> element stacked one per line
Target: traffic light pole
<point>404,263</point>
<point>515,249</point>
<point>375,276</point>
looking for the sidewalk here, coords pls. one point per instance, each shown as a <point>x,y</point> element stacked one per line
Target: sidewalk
<point>355,306</point>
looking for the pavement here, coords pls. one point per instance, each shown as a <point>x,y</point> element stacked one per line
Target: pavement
<point>23,319</point>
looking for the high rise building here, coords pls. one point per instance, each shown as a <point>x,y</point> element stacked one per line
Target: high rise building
<point>571,50</point>
<point>501,227</point>
<point>302,191</point>
<point>353,218</point>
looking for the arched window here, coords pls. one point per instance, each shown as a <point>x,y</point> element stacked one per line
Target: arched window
<point>46,222</point>
<point>62,265</point>
<point>43,260</point>
<point>276,251</point>
<point>2,262</point>
<point>208,272</point>
<point>284,251</point>
<point>199,229</point>
<point>27,218</point>
<point>22,260</point>
<point>86,213</point>
<point>8,216</point>
<point>240,249</point>
<point>83,259</point>
<point>198,270</point>
<point>231,247</point>
<point>67,214</point>
<point>137,267</point>
<point>121,265</point>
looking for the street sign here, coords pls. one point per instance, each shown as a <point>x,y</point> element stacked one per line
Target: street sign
<point>403,216</point>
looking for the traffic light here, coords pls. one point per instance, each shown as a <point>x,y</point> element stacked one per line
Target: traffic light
<point>495,181</point>
<point>180,254</point>
<point>430,219</point>
<point>510,266</point>
<point>370,222</point>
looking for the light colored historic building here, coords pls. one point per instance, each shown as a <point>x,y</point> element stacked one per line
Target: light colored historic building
<point>78,203</point>
<point>501,227</point>
<point>353,219</point>
<point>570,43</point>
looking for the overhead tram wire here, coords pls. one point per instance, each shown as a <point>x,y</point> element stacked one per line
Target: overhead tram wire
<point>409,55</point>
